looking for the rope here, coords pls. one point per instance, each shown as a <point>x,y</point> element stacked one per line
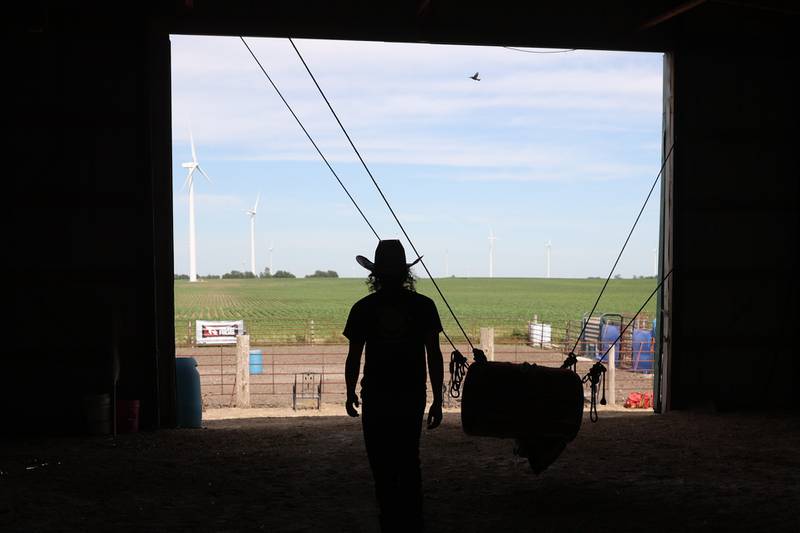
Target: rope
<point>383,196</point>
<point>458,369</point>
<point>571,359</point>
<point>597,373</point>
<point>335,175</point>
<point>630,322</point>
<point>458,363</point>
<point>299,123</point>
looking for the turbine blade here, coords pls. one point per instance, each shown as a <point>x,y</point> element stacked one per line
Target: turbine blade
<point>191,141</point>
<point>203,172</point>
<point>255,207</point>
<point>188,179</point>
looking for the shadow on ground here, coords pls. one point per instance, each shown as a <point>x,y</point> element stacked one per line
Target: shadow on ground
<point>628,472</point>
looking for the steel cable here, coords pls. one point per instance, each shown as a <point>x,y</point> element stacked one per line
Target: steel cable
<point>383,196</point>
<point>571,356</point>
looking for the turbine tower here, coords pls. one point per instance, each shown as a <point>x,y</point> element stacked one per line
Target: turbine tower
<point>655,262</point>
<point>252,214</point>
<point>547,246</point>
<point>491,252</point>
<point>191,166</point>
<point>270,258</point>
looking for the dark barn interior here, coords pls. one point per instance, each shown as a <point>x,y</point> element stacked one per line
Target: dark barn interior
<point>90,224</point>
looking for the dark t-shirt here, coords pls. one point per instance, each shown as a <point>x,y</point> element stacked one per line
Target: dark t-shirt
<point>394,325</point>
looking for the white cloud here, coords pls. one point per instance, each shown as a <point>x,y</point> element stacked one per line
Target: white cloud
<point>535,122</point>
<point>379,88</point>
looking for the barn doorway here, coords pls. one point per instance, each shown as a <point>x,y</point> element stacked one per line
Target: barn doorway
<point>518,171</point>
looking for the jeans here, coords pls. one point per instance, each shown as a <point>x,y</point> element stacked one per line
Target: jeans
<point>391,435</point>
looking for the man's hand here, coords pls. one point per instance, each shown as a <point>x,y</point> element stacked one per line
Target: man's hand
<point>352,403</point>
<point>435,414</point>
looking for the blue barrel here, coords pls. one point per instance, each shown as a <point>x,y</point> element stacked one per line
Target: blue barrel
<point>256,362</point>
<point>187,384</point>
<point>642,348</point>
<point>609,334</point>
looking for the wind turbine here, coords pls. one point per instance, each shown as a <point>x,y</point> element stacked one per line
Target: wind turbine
<point>252,213</point>
<point>491,252</point>
<point>270,257</point>
<point>547,246</point>
<point>191,166</point>
<point>655,262</point>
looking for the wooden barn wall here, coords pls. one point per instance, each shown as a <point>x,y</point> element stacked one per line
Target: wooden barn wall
<point>88,214</point>
<point>735,228</point>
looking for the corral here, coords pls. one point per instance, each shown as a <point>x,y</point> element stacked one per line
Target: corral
<point>272,386</point>
<point>296,324</point>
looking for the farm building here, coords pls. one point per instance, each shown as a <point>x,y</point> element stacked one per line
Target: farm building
<point>89,220</point>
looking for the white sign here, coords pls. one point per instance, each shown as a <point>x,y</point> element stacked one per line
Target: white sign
<point>218,331</point>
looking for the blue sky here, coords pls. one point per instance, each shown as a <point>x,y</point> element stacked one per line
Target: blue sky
<point>560,147</point>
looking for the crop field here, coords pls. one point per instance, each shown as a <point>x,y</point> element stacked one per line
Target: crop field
<point>279,311</point>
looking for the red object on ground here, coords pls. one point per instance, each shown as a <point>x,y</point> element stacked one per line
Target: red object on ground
<point>639,400</point>
<point>127,416</point>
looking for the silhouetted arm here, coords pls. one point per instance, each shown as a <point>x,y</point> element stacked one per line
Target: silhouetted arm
<point>436,373</point>
<point>351,368</point>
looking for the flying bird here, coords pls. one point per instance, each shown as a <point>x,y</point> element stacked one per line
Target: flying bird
<point>475,77</point>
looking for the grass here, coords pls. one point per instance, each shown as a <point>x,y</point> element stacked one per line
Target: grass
<point>281,310</point>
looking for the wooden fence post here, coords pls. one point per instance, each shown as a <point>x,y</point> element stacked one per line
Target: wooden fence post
<point>611,395</point>
<point>487,342</point>
<point>242,371</point>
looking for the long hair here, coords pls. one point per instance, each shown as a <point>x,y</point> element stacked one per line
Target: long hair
<point>405,281</point>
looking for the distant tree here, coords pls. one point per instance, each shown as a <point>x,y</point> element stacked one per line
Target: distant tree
<point>617,276</point>
<point>283,274</point>
<point>323,274</point>
<point>236,274</point>
<point>181,276</point>
<point>265,274</point>
<point>210,276</point>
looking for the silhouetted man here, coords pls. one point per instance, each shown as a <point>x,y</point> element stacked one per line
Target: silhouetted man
<point>398,327</point>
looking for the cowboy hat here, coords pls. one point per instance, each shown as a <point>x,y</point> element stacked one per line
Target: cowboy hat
<point>390,258</point>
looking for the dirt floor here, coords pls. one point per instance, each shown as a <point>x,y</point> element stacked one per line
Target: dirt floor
<point>631,471</point>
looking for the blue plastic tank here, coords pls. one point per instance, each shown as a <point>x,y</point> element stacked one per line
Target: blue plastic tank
<point>642,348</point>
<point>609,334</point>
<point>189,400</point>
<point>256,362</point>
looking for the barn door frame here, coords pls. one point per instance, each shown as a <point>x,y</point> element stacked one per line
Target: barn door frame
<point>663,355</point>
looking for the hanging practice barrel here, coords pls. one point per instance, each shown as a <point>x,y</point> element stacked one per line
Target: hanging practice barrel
<point>509,400</point>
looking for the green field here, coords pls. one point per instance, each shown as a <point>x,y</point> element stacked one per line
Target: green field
<point>281,310</point>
